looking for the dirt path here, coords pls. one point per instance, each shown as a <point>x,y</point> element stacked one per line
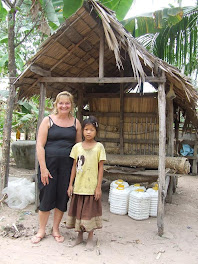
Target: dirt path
<point>122,239</point>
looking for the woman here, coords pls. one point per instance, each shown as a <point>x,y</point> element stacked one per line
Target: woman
<point>56,136</point>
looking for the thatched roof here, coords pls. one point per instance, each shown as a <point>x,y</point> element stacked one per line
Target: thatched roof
<point>73,51</point>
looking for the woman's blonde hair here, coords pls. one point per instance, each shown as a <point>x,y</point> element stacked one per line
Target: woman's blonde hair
<point>70,96</point>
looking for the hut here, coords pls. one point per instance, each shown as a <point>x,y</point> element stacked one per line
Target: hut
<point>92,56</point>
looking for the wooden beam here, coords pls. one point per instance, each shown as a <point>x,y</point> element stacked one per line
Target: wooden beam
<point>162,155</point>
<point>38,70</point>
<point>117,95</point>
<point>99,80</point>
<point>114,114</point>
<point>40,118</point>
<point>137,141</point>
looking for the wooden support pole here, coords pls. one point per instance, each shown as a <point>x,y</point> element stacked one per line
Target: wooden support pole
<point>4,173</point>
<point>40,118</point>
<point>162,155</point>
<point>194,166</point>
<point>101,55</point>
<point>80,105</point>
<point>121,119</point>
<point>170,128</point>
<point>177,121</point>
<point>170,146</point>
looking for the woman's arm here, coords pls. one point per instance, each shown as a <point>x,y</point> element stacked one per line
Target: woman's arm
<point>78,131</point>
<point>40,144</point>
<point>98,191</point>
<point>73,175</point>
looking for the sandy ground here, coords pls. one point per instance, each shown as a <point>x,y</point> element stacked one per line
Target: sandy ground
<point>121,240</point>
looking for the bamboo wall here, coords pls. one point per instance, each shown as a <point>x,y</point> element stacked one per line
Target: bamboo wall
<point>140,124</point>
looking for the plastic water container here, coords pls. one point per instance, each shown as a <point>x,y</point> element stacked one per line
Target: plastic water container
<point>136,186</point>
<point>139,204</point>
<point>115,184</point>
<point>153,192</point>
<point>119,200</point>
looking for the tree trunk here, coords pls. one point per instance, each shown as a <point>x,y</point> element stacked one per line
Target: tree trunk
<point>10,102</point>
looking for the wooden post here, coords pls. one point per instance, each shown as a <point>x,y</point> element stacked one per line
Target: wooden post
<point>162,155</point>
<point>80,105</point>
<point>4,173</point>
<point>121,119</point>
<point>40,118</point>
<point>194,166</point>
<point>101,55</point>
<point>177,121</point>
<point>170,128</point>
<point>170,146</point>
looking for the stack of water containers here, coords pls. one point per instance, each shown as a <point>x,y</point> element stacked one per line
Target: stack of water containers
<point>119,197</point>
<point>135,200</point>
<point>139,204</point>
<point>153,192</point>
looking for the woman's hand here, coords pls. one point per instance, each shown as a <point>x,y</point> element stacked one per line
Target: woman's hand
<point>70,190</point>
<point>45,175</point>
<point>98,193</point>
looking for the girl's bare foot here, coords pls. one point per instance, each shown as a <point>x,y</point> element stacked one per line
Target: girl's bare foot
<point>90,245</point>
<point>78,240</point>
<point>90,242</point>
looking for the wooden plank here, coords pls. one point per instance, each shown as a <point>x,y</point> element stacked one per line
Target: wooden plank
<point>162,156</point>
<point>99,80</point>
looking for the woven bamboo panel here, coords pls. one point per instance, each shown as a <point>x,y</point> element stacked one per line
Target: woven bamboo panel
<point>136,129</point>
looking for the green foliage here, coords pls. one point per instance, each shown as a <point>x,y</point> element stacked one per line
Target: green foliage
<point>25,116</point>
<point>3,12</point>
<point>70,7</point>
<point>121,7</point>
<point>170,34</point>
<point>50,13</point>
<point>153,22</point>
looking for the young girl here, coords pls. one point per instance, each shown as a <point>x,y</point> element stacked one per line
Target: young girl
<point>85,212</point>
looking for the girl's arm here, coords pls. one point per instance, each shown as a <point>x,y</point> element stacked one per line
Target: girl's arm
<point>40,144</point>
<point>98,191</point>
<point>73,175</point>
<point>78,131</point>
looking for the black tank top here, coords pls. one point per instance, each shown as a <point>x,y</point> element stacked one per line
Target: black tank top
<point>60,140</point>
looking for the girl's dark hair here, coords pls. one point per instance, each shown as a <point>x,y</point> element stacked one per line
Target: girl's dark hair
<point>90,120</point>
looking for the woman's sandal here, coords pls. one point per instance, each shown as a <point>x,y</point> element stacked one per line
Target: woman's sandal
<point>59,238</point>
<point>36,239</point>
